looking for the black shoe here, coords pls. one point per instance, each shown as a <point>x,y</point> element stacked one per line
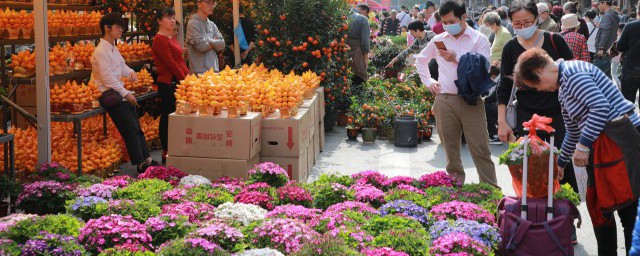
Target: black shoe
<point>493,140</point>
<point>574,235</point>
<point>143,168</point>
<point>154,163</point>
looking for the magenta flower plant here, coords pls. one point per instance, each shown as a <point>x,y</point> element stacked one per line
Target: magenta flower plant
<point>196,212</point>
<point>55,194</point>
<point>458,244</point>
<point>374,178</point>
<point>367,193</point>
<point>396,181</point>
<point>456,210</point>
<point>294,194</point>
<point>308,216</point>
<point>98,190</point>
<point>118,181</point>
<point>268,172</point>
<point>437,179</point>
<point>351,205</point>
<point>168,174</point>
<point>261,199</point>
<point>220,233</point>
<point>286,235</point>
<point>384,251</point>
<point>111,231</point>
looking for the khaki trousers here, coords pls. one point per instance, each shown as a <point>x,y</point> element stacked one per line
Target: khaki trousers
<point>454,116</point>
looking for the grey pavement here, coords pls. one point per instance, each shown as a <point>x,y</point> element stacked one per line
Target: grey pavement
<point>348,157</point>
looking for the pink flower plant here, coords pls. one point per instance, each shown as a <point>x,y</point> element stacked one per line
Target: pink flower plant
<point>168,174</point>
<point>374,178</point>
<point>99,190</point>
<point>286,235</point>
<point>411,189</point>
<point>455,210</point>
<point>11,220</point>
<point>203,244</point>
<point>437,179</point>
<point>399,180</point>
<point>261,199</point>
<point>368,194</point>
<point>257,187</point>
<point>118,181</point>
<point>113,230</point>
<point>458,244</point>
<point>384,251</point>
<point>174,196</point>
<point>197,212</point>
<point>268,168</point>
<point>293,194</point>
<point>221,234</point>
<point>38,189</point>
<point>233,185</point>
<point>351,205</point>
<point>308,216</point>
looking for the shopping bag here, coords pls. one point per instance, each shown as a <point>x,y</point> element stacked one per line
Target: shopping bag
<point>582,177</point>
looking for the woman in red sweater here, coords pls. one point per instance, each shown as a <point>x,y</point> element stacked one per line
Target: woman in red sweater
<point>169,60</point>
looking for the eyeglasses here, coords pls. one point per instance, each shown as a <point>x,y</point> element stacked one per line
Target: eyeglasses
<point>524,24</point>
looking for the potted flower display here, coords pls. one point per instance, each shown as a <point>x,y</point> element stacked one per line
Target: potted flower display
<point>384,55</point>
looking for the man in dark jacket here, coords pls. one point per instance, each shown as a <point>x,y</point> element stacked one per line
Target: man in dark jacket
<point>629,45</point>
<point>607,34</point>
<point>570,8</point>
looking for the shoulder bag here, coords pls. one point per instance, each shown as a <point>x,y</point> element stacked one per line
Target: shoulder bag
<point>512,109</point>
<point>110,98</point>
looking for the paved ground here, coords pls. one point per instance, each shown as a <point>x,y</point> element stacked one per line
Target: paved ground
<point>347,157</point>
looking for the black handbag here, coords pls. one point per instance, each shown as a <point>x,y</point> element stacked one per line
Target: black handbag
<point>110,98</point>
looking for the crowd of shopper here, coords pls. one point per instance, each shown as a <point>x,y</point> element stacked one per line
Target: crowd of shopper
<point>578,65</point>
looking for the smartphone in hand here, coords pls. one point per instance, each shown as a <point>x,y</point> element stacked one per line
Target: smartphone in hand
<point>440,45</point>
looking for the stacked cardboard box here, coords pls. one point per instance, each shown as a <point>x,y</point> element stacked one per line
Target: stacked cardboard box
<point>214,146</point>
<point>25,98</point>
<point>286,142</point>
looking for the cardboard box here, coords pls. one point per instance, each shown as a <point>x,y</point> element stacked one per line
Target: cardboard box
<point>297,167</point>
<point>26,95</point>
<point>213,168</point>
<point>286,137</point>
<point>321,109</point>
<point>215,137</point>
<point>311,156</point>
<point>21,122</point>
<point>312,108</point>
<point>322,135</point>
<point>316,147</point>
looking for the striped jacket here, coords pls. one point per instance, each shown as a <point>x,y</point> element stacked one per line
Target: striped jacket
<point>589,99</point>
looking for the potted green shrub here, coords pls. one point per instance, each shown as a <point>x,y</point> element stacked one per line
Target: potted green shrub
<point>370,120</point>
<point>8,189</point>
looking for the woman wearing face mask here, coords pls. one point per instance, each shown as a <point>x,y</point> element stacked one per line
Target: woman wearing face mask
<point>524,17</point>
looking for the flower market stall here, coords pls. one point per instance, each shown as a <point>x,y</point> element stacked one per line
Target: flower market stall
<point>168,212</point>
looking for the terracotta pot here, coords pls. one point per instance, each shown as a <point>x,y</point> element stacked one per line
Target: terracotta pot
<point>352,134</point>
<point>343,119</point>
<point>284,113</point>
<point>369,135</point>
<point>382,131</point>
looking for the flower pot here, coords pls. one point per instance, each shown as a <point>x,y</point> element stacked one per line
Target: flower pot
<point>369,135</point>
<point>427,133</point>
<point>382,131</point>
<point>343,119</point>
<point>391,134</point>
<point>4,208</point>
<point>352,133</point>
<point>420,136</point>
<point>330,119</point>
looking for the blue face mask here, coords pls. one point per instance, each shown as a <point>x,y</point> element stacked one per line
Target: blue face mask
<point>526,33</point>
<point>453,29</point>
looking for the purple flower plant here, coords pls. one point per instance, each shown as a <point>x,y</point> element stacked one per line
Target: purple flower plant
<point>113,230</point>
<point>384,251</point>
<point>406,208</point>
<point>458,244</point>
<point>233,185</point>
<point>268,168</point>
<point>52,244</point>
<point>437,179</point>
<point>286,235</point>
<point>197,212</point>
<point>270,173</point>
<point>455,210</point>
<point>203,244</point>
<point>38,189</point>
<point>308,216</point>
<point>99,190</point>
<point>374,178</point>
<point>257,187</point>
<point>482,232</point>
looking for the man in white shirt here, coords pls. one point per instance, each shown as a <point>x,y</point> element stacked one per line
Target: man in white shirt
<point>453,114</point>
<point>108,69</point>
<point>404,16</point>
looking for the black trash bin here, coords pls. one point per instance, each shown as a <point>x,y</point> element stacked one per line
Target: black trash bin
<point>406,131</point>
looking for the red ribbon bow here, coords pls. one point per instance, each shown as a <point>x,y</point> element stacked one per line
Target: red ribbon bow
<point>538,123</point>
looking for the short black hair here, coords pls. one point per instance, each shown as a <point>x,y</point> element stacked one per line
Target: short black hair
<point>404,7</point>
<point>621,26</point>
<point>385,14</point>
<point>110,20</point>
<point>416,26</point>
<point>165,12</point>
<point>436,15</point>
<point>556,3</point>
<point>429,4</point>
<point>591,14</point>
<point>416,8</point>
<point>502,13</point>
<point>457,7</point>
<point>517,6</point>
<point>364,7</point>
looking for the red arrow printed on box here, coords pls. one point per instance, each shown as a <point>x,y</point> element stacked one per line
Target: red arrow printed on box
<point>290,136</point>
<point>290,171</point>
